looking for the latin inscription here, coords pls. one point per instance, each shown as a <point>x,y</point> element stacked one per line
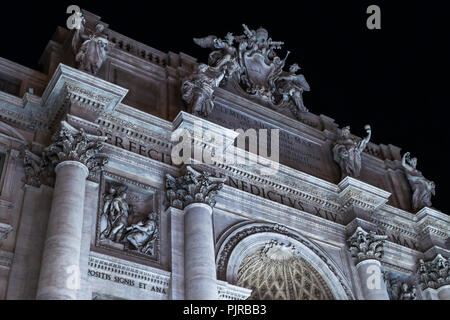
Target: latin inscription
<point>295,151</point>
<point>125,281</point>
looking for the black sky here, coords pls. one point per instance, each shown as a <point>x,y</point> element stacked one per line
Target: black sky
<point>396,79</point>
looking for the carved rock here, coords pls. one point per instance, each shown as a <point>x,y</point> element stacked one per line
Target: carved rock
<point>70,144</point>
<point>366,245</point>
<point>249,62</point>
<point>193,187</point>
<point>400,288</point>
<point>90,49</point>
<point>435,273</point>
<point>422,188</point>
<point>197,90</point>
<point>347,152</point>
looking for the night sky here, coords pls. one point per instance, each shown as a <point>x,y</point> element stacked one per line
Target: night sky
<point>395,79</point>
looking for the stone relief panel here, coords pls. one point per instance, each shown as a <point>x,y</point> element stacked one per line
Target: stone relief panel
<point>128,221</point>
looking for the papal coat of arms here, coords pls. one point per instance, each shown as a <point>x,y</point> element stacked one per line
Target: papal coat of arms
<point>249,62</point>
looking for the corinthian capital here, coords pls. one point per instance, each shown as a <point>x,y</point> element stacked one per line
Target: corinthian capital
<point>193,187</point>
<point>70,144</point>
<point>435,273</point>
<point>365,245</point>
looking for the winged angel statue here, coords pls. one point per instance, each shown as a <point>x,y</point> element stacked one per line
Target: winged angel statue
<point>250,61</point>
<point>91,49</point>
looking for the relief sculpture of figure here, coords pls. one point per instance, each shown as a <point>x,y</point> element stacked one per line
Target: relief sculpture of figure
<point>347,152</point>
<point>422,188</point>
<point>142,235</point>
<point>115,214</point>
<point>198,89</point>
<point>291,86</point>
<point>90,50</point>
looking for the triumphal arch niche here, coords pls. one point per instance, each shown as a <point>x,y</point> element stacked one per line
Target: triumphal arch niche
<point>276,263</point>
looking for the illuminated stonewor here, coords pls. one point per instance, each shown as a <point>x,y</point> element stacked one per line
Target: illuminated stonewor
<point>103,210</point>
<point>276,272</point>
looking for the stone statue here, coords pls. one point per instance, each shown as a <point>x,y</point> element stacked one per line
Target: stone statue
<point>291,86</point>
<point>347,152</point>
<point>400,287</point>
<point>91,50</point>
<point>197,90</point>
<point>366,245</point>
<point>422,188</point>
<point>115,213</point>
<point>408,292</point>
<point>142,235</point>
<point>193,187</point>
<point>252,67</point>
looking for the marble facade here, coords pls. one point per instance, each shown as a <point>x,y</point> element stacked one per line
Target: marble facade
<point>93,207</point>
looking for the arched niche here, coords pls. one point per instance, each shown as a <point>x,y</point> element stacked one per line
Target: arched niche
<point>246,238</point>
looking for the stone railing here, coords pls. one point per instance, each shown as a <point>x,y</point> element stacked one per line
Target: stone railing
<point>137,49</point>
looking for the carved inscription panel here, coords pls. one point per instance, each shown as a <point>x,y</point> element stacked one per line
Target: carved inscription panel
<point>295,151</point>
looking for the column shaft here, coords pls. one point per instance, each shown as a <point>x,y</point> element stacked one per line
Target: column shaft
<point>60,270</point>
<point>199,261</point>
<point>371,278</point>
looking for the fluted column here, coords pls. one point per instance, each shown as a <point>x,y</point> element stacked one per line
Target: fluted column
<point>367,249</point>
<point>194,193</point>
<point>71,154</point>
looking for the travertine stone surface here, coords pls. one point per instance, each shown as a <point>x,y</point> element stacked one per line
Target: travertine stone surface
<point>61,257</point>
<point>199,263</point>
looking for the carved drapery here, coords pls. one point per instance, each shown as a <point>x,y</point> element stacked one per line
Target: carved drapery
<point>193,187</point>
<point>435,273</point>
<point>366,245</point>
<point>347,152</point>
<point>116,225</point>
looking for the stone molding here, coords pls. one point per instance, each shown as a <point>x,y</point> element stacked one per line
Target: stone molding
<point>361,195</point>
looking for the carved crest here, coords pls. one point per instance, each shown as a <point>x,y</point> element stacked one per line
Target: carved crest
<point>250,63</point>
